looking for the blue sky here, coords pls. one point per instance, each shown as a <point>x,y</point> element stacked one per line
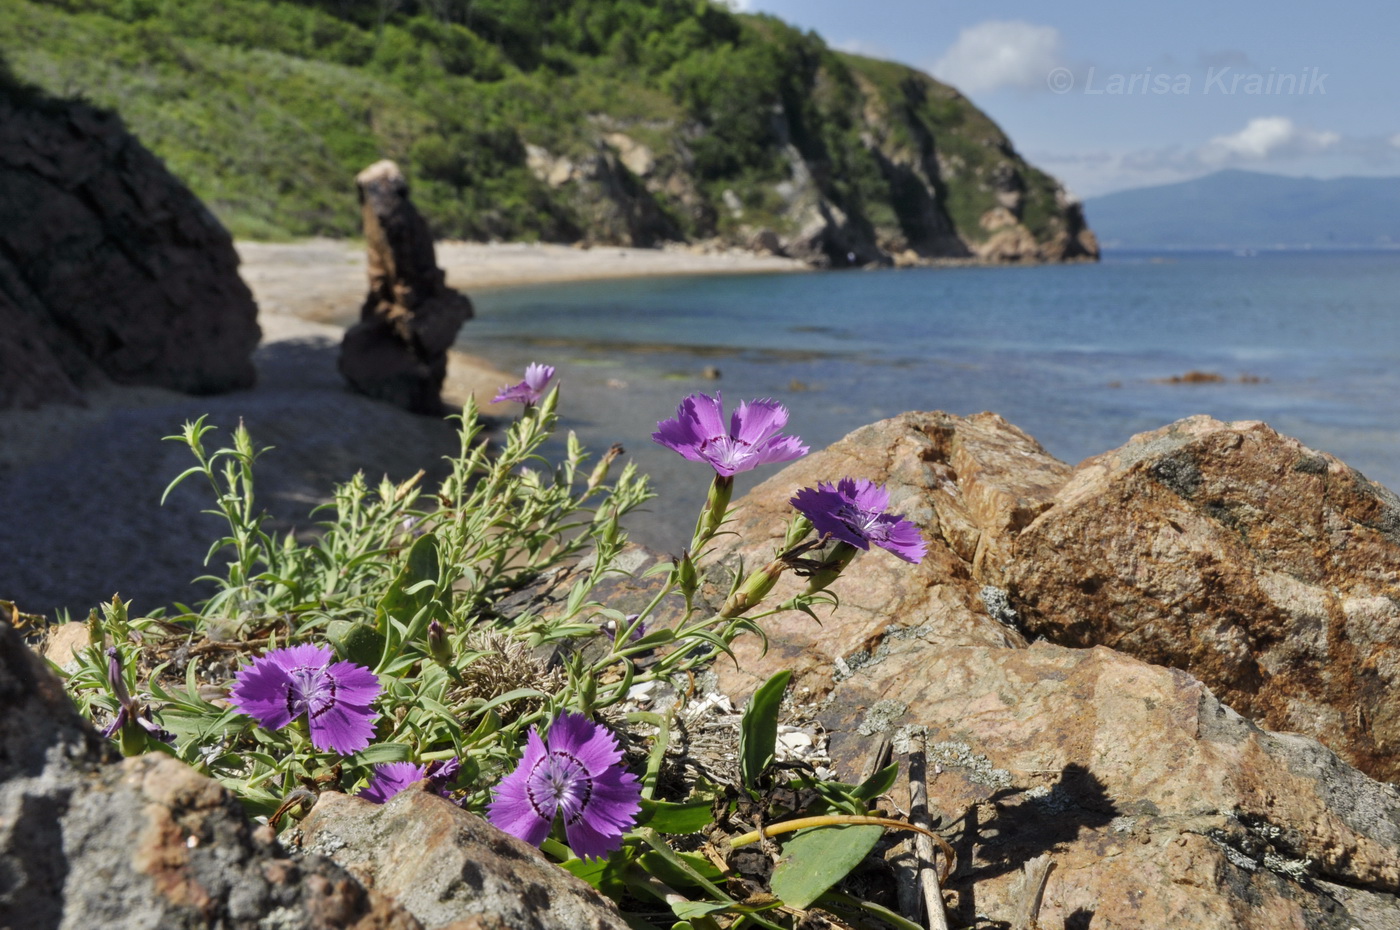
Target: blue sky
<point>1108,96</point>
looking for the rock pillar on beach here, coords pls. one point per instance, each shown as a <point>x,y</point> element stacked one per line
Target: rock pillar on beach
<point>398,350</point>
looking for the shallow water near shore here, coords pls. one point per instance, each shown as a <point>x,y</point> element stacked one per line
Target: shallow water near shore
<point>1079,356</point>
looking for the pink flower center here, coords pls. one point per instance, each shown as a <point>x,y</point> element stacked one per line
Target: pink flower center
<point>311,691</point>
<point>559,781</point>
<point>859,519</point>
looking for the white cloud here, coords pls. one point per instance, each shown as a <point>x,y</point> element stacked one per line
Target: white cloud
<point>864,47</point>
<point>1267,137</point>
<point>1000,53</point>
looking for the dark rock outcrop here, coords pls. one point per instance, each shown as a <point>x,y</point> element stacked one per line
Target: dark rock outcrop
<point>110,269</point>
<point>410,318</point>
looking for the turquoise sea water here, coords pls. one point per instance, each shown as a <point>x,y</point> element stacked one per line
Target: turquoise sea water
<point>1075,355</point>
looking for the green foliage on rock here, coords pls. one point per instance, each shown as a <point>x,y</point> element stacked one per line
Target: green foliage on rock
<point>515,118</point>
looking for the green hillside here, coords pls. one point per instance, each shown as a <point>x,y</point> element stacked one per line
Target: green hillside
<point>617,121</point>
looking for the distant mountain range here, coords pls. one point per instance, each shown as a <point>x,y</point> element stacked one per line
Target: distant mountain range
<point>1249,210</point>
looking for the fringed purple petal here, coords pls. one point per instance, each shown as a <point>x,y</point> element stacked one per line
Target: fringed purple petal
<point>342,728</point>
<point>354,684</point>
<point>262,691</point>
<point>899,536</point>
<point>306,655</point>
<point>757,421</point>
<point>391,778</point>
<point>537,376</point>
<point>781,449</point>
<point>511,808</point>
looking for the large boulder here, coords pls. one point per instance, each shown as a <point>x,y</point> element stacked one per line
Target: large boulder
<point>110,269</point>
<point>445,865</point>
<point>1264,568</point>
<point>410,318</point>
<point>1157,804</point>
<point>969,482</point>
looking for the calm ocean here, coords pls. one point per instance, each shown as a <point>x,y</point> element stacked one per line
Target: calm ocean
<point>1077,355</point>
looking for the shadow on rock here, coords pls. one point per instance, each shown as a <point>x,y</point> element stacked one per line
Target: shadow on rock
<point>1013,826</point>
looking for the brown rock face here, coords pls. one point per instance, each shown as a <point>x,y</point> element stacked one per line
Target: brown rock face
<point>1269,571</point>
<point>1158,805</point>
<point>447,865</point>
<point>109,267</point>
<point>970,483</point>
<point>410,318</point>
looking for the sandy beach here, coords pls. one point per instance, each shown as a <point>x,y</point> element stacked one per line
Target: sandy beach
<point>80,487</point>
<point>318,279</point>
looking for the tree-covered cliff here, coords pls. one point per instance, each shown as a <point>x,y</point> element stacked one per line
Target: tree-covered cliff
<point>610,121</point>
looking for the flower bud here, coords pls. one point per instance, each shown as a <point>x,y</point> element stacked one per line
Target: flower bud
<point>438,646</point>
<point>799,528</point>
<point>686,575</point>
<point>600,471</point>
<point>754,589</point>
<point>712,514</point>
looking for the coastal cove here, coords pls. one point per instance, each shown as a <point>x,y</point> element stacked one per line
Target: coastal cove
<point>1081,356</point>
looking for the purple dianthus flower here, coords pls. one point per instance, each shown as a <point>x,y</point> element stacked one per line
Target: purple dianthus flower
<point>576,773</point>
<point>335,696</point>
<point>131,711</point>
<point>854,512</point>
<point>530,390</point>
<point>698,432</point>
<point>392,777</point>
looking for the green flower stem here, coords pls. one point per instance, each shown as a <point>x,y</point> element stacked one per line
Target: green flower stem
<point>827,820</point>
<point>713,513</point>
<point>654,840</point>
<point>659,745</point>
<point>848,902</point>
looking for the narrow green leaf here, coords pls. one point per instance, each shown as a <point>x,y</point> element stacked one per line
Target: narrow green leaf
<point>688,910</point>
<point>683,817</point>
<point>877,784</point>
<point>383,752</point>
<point>758,730</point>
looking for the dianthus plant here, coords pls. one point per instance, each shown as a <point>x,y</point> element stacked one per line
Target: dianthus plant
<point>463,640</point>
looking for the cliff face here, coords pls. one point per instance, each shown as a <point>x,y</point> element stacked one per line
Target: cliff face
<point>885,165</point>
<point>631,122</point>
